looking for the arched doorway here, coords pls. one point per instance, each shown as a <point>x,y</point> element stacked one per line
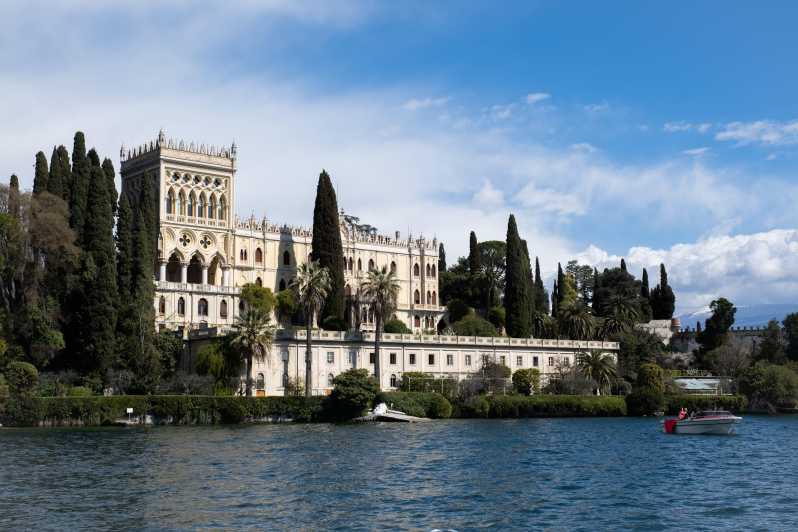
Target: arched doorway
<point>173,269</point>
<point>195,270</point>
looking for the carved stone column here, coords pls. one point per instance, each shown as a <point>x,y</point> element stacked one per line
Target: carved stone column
<point>184,272</point>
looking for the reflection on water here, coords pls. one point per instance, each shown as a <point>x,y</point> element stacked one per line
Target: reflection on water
<point>587,474</point>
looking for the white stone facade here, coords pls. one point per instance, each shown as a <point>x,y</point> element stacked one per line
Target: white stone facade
<point>206,253</point>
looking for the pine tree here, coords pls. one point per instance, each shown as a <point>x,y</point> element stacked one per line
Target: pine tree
<point>644,291</point>
<point>516,297</point>
<point>13,196</point>
<point>328,249</point>
<point>95,319</point>
<point>541,296</point>
<point>474,266</point>
<point>110,176</point>
<point>79,187</point>
<point>41,175</point>
<point>441,259</point>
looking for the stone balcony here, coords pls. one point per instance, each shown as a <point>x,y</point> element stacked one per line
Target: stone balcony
<point>169,286</point>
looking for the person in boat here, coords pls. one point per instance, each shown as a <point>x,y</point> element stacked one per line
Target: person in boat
<point>682,413</point>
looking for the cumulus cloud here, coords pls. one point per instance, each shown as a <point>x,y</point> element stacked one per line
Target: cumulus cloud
<point>415,104</point>
<point>746,268</point>
<point>763,132</point>
<point>536,97</point>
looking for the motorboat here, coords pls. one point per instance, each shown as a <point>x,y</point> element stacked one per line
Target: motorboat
<point>704,422</point>
<point>381,412</point>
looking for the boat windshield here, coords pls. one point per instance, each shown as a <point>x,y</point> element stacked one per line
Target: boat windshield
<point>713,413</point>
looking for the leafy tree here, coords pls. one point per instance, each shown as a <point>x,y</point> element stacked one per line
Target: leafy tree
<point>566,291</point>
<point>396,327</point>
<point>731,357</point>
<point>526,381</point>
<point>582,276</point>
<point>380,289</point>
<point>497,317</point>
<point>575,322</point>
<point>772,348</point>
<point>770,386</point>
<point>255,296</point>
<point>79,186</point>
<point>353,392</point>
<point>648,394</point>
<point>492,256</point>
<point>715,329</point>
<point>286,306</point>
<point>791,334</point>
<point>663,301</point>
<point>311,285</point>
<point>599,367</point>
<point>41,175</point>
<point>638,347</point>
<point>458,310</point>
<point>473,325</point>
<point>170,348</point>
<point>327,247</point>
<point>516,296</point>
<point>474,266</point>
<point>253,334</point>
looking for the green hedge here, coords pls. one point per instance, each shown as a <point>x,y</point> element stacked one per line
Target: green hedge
<point>420,404</point>
<point>518,406</point>
<point>732,403</point>
<point>176,409</point>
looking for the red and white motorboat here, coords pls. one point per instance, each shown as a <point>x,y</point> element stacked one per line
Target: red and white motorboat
<point>705,422</point>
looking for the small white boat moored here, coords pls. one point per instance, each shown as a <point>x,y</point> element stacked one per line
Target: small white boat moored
<point>705,422</point>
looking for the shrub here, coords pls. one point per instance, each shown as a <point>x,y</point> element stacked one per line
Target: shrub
<point>79,391</point>
<point>458,309</point>
<point>645,402</point>
<point>650,377</point>
<point>527,381</point>
<point>333,323</point>
<point>473,325</point>
<point>517,406</point>
<point>732,403</point>
<point>770,386</point>
<point>22,377</point>
<point>353,392</point>
<point>420,404</point>
<point>497,317</point>
<point>396,327</point>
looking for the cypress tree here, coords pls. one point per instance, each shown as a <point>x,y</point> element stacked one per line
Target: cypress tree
<point>41,175</point>
<point>530,281</point>
<point>58,183</point>
<point>110,176</point>
<point>623,265</point>
<point>644,292</point>
<point>597,300</point>
<point>663,301</point>
<point>96,315</point>
<point>13,196</point>
<point>441,259</point>
<point>94,159</point>
<point>560,281</point>
<point>124,247</point>
<point>516,297</point>
<point>541,297</point>
<point>79,187</point>
<point>328,249</point>
<point>474,265</point>
<point>555,297</point>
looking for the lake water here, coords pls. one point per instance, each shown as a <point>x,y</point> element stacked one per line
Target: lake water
<point>554,474</point>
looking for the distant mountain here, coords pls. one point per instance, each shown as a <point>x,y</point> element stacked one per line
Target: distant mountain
<point>750,316</point>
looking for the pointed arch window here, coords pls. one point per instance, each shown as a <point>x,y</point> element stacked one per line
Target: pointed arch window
<point>202,307</point>
<point>259,281</point>
<point>259,256</point>
<point>416,270</point>
<point>211,207</point>
<point>417,321</point>
<point>287,258</point>
<point>223,309</point>
<point>282,285</point>
<point>201,206</point>
<point>429,297</point>
<point>191,203</point>
<point>222,208</point>
<point>434,297</point>
<point>162,305</point>
<point>393,267</point>
<point>351,264</point>
<point>371,265</point>
<point>181,204</point>
<point>170,202</point>
<point>433,271</point>
<point>428,270</point>
<point>417,297</point>
<point>181,307</point>
<point>393,380</point>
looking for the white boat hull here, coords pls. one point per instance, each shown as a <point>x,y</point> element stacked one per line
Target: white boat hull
<point>707,426</point>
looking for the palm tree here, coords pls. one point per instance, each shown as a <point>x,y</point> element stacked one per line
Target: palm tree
<point>253,333</point>
<point>599,367</point>
<point>576,322</point>
<point>380,289</point>
<point>621,314</point>
<point>312,284</point>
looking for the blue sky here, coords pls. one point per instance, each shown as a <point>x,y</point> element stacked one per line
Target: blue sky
<point>655,131</point>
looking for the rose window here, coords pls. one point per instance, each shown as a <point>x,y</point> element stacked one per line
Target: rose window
<point>184,240</point>
<point>205,242</point>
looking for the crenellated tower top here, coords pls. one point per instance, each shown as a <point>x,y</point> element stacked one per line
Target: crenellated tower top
<point>179,145</point>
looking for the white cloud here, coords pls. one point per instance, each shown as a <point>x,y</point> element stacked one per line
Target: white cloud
<point>502,112</point>
<point>764,132</point>
<point>597,107</point>
<point>746,269</point>
<point>703,128</point>
<point>697,152</point>
<point>536,97</point>
<point>488,196</point>
<point>682,126</point>
<point>415,104</point>
<point>585,147</point>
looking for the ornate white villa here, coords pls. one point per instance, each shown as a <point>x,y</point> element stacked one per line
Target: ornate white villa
<point>206,254</point>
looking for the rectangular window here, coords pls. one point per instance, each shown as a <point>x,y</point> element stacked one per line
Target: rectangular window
<point>468,360</point>
<point>431,359</point>
<point>503,360</point>
<point>566,361</point>
<point>412,359</point>
<point>535,361</point>
<point>485,359</point>
<point>551,361</point>
<point>519,361</point>
<point>372,358</point>
<point>450,360</point>
<point>330,357</point>
<point>393,358</point>
<point>353,358</point>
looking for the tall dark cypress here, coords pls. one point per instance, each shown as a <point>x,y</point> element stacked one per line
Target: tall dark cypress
<point>41,175</point>
<point>441,259</point>
<point>59,180</point>
<point>560,281</point>
<point>530,280</point>
<point>623,265</point>
<point>79,186</point>
<point>13,196</point>
<point>596,302</point>
<point>555,299</point>
<point>97,312</point>
<point>516,297</point>
<point>94,159</point>
<point>541,297</point>
<point>110,176</point>
<point>124,247</point>
<point>328,249</point>
<point>663,300</point>
<point>644,291</point>
<point>474,262</point>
